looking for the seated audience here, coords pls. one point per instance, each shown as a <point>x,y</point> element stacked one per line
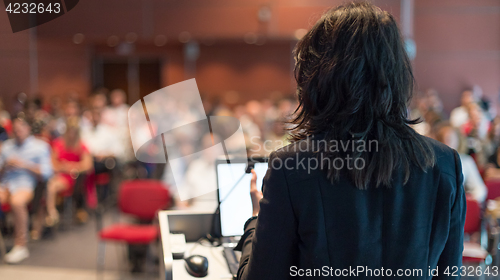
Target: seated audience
<point>434,113</point>
<point>477,132</point>
<point>5,118</point>
<point>484,102</point>
<point>90,141</point>
<point>421,107</point>
<point>3,135</point>
<point>473,182</point>
<point>200,179</point>
<point>460,115</point>
<point>71,159</point>
<point>71,109</point>
<point>99,140</point>
<point>99,100</point>
<point>116,116</point>
<point>492,170</point>
<point>23,161</point>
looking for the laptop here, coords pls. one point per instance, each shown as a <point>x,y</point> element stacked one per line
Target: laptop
<point>235,204</point>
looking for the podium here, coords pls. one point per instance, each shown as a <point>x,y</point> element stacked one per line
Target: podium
<point>194,225</point>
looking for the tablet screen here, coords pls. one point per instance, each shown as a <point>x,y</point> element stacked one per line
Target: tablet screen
<point>234,196</point>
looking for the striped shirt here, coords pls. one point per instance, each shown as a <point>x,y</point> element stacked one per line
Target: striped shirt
<point>31,150</point>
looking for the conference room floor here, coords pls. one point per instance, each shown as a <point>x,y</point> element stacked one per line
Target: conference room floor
<point>71,254</point>
<point>24,272</point>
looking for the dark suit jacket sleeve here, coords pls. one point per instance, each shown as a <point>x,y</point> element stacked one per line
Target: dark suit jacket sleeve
<point>452,253</point>
<point>269,244</point>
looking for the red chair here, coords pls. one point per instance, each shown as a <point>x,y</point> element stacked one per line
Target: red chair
<point>472,216</point>
<point>493,188</point>
<point>482,172</point>
<point>141,199</point>
<point>101,182</point>
<point>473,252</point>
<point>4,208</point>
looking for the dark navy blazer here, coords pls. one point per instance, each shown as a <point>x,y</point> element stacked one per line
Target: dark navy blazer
<point>309,225</point>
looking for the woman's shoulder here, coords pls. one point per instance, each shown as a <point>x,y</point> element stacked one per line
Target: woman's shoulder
<point>441,150</point>
<point>306,153</point>
<point>446,158</point>
<point>297,160</point>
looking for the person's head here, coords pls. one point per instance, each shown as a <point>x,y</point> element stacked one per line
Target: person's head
<point>422,103</point>
<point>207,141</point>
<point>467,97</point>
<point>99,101</point>
<point>21,128</point>
<point>285,107</point>
<point>352,65</point>
<point>354,81</point>
<point>72,133</point>
<point>117,97</point>
<point>253,108</point>
<point>475,113</point>
<point>433,100</point>
<point>71,108</point>
<point>30,108</point>
<point>448,135</point>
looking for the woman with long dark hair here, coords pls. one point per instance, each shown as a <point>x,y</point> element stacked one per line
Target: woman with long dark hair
<point>358,190</point>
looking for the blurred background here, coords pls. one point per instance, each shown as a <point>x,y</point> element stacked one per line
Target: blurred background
<point>237,51</point>
<point>73,79</point>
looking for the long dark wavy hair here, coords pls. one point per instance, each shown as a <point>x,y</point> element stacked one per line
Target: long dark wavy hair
<point>354,82</point>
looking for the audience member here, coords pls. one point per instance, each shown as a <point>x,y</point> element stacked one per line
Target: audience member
<point>24,161</point>
<point>71,159</point>
<point>98,100</point>
<point>418,112</point>
<point>276,137</point>
<point>99,140</point>
<point>116,116</point>
<point>58,125</point>
<point>200,179</point>
<point>476,130</point>
<point>38,119</point>
<point>483,102</point>
<point>4,118</point>
<point>429,110</point>
<point>3,135</point>
<point>473,182</point>
<point>460,115</point>
<point>492,170</point>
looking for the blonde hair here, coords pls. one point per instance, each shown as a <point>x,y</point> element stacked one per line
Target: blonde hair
<point>72,123</point>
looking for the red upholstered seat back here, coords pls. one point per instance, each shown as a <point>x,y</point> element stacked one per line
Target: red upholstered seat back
<point>473,216</point>
<point>142,198</point>
<point>493,188</point>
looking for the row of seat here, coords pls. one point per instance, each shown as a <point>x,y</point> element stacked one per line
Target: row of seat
<point>482,253</point>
